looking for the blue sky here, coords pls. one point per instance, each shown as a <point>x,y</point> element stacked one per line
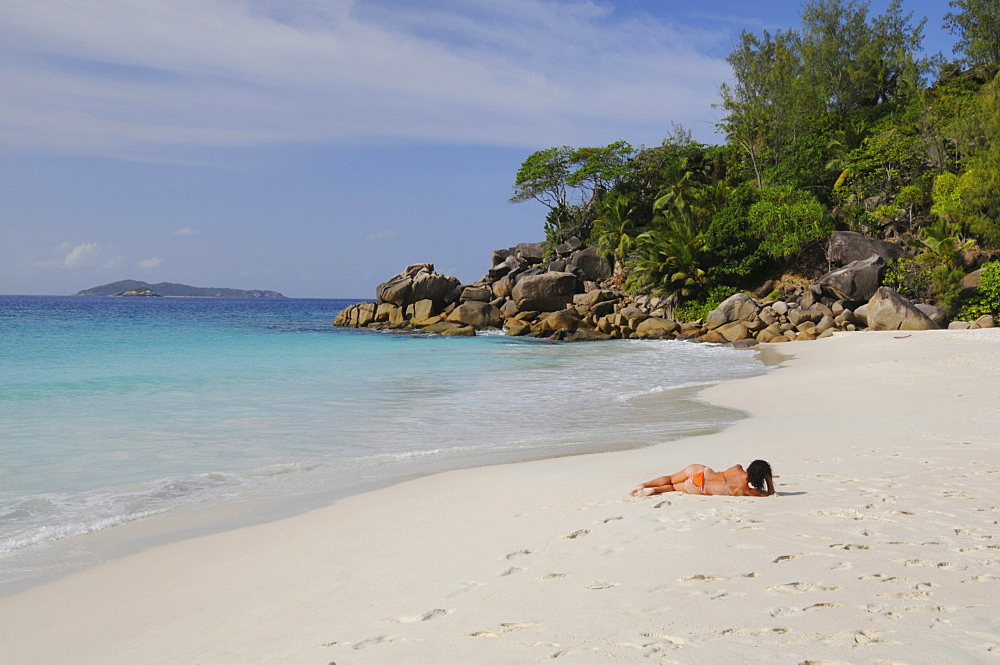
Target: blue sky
<point>317,147</point>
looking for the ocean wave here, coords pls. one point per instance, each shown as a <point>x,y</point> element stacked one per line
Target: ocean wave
<point>35,519</point>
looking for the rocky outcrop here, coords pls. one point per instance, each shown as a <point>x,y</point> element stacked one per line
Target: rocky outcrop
<point>547,292</point>
<point>855,281</point>
<point>846,247</point>
<point>736,308</point>
<point>476,314</point>
<point>417,282</point>
<point>590,265</point>
<point>569,296</point>
<point>887,310</point>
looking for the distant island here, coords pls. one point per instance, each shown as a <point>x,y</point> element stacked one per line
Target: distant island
<point>173,290</point>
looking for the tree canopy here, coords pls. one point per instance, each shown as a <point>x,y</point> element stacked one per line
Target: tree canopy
<point>831,124</point>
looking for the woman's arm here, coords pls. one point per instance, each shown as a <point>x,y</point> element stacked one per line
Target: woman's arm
<point>770,488</point>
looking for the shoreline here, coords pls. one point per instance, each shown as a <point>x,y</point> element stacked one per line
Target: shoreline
<point>870,549</point>
<point>52,560</point>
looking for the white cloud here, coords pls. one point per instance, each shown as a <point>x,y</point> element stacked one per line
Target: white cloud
<point>113,263</point>
<point>87,255</point>
<point>132,78</point>
<point>186,231</point>
<point>150,264</point>
<point>380,236</point>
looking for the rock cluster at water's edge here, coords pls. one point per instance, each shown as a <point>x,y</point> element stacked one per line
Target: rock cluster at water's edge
<point>570,297</point>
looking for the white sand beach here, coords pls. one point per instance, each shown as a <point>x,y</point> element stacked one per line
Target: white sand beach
<point>882,546</point>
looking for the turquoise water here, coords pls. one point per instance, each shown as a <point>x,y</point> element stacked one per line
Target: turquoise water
<point>116,409</point>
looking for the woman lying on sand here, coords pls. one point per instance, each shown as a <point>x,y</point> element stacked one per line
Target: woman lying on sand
<point>700,479</point>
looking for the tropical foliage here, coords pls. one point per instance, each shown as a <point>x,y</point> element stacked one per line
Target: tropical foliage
<point>837,123</point>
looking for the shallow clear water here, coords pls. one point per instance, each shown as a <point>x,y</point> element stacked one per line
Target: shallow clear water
<point>113,409</point>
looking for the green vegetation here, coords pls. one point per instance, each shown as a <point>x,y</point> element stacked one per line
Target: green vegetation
<point>837,124</point>
<point>987,298</point>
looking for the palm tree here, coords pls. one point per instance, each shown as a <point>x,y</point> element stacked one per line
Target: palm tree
<point>668,261</point>
<point>613,227</point>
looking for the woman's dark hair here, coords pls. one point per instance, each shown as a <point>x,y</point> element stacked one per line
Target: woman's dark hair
<point>757,472</point>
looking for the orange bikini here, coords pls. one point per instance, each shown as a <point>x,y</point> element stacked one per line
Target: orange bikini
<point>699,481</point>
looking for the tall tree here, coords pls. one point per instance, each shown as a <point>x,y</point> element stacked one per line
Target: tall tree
<point>840,64</point>
<point>542,177</point>
<point>770,101</point>
<point>860,63</point>
<point>598,170</point>
<point>977,25</point>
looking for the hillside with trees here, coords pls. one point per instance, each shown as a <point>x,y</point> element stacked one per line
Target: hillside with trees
<point>836,124</point>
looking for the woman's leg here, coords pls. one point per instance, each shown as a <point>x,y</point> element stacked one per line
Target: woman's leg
<point>671,483</point>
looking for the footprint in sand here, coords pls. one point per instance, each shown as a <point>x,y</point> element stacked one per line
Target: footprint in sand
<point>788,611</point>
<point>726,594</point>
<point>792,587</point>
<point>612,519</point>
<point>784,557</point>
<point>700,578</point>
<point>863,637</point>
<point>426,616</point>
<point>514,570</point>
<point>504,628</point>
<point>597,586</point>
<point>882,577</point>
<point>672,642</point>
<point>577,534</point>
<point>371,641</point>
<point>514,555</point>
<point>553,576</point>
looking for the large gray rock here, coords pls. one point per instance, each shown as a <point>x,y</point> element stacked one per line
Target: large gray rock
<point>502,287</point>
<point>394,291</point>
<point>548,292</point>
<point>504,267</point>
<point>734,331</point>
<point>593,266</point>
<point>448,328</point>
<point>855,281</point>
<point>356,316</point>
<point>657,327</point>
<point>477,314</point>
<point>499,256</point>
<point>887,310</point>
<point>433,286</point>
<point>417,282</point>
<point>737,307</point>
<point>530,252</point>
<point>478,293</point>
<point>935,314</point>
<point>568,247</point>
<point>846,247</point>
<point>591,298</point>
<point>561,320</point>
<point>798,316</point>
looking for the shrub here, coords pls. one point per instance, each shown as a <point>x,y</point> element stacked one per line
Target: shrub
<point>734,251</point>
<point>699,309</point>
<point>787,220</point>
<point>987,298</point>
